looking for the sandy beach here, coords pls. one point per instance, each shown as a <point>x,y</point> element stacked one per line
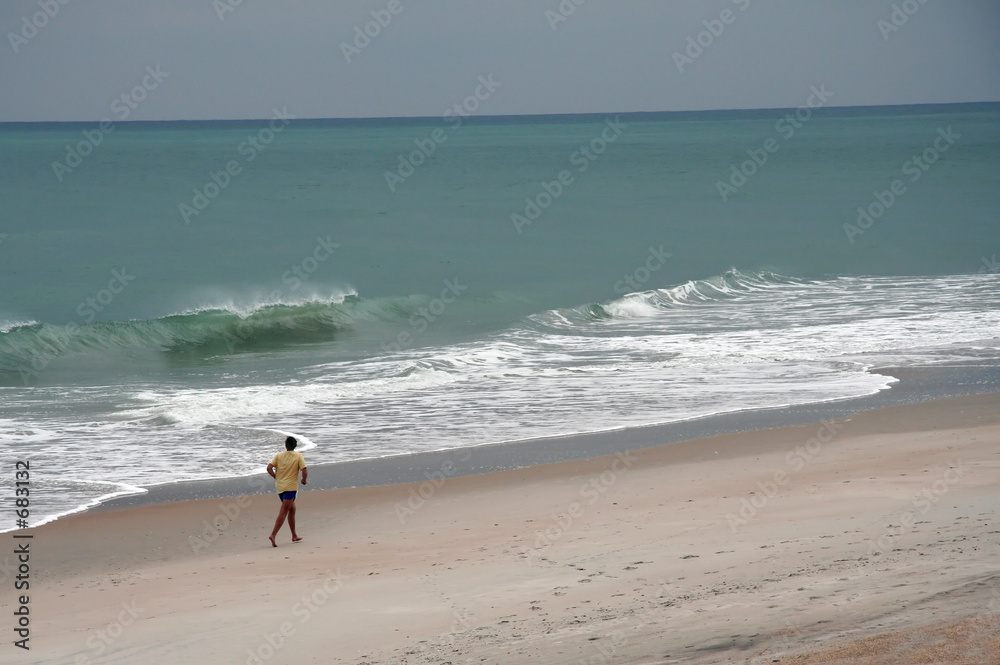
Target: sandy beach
<point>872,539</point>
<point>611,333</point>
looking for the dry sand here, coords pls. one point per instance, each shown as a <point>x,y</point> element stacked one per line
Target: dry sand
<point>876,543</point>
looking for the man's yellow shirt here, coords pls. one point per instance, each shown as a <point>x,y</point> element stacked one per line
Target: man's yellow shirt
<point>286,470</point>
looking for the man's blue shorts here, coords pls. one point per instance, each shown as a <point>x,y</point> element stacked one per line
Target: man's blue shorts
<point>287,495</point>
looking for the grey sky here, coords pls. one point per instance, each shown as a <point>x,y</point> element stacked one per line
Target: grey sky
<point>607,56</point>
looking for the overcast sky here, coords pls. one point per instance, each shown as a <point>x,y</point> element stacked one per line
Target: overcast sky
<point>606,56</point>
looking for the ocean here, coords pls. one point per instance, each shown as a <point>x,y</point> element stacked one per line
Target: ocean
<point>177,297</point>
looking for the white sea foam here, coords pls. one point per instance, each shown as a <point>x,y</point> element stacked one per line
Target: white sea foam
<point>634,306</point>
<point>250,403</point>
<point>659,356</point>
<point>88,493</point>
<point>6,325</point>
<point>245,305</point>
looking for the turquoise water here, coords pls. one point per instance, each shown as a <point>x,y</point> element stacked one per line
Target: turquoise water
<point>532,276</point>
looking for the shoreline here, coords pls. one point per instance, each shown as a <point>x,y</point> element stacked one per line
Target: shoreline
<point>914,385</point>
<point>633,557</point>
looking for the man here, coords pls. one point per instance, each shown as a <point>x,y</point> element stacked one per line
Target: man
<point>284,468</point>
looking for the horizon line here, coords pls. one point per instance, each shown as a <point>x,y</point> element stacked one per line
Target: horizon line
<point>474,118</point>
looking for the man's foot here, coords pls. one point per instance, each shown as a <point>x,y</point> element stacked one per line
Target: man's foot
<point>273,544</point>
<point>296,539</point>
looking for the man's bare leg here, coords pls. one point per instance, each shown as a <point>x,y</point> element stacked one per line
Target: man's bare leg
<point>282,513</point>
<point>291,523</point>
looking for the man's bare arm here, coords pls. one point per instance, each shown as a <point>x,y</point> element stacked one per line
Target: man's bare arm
<point>305,474</point>
<point>270,470</point>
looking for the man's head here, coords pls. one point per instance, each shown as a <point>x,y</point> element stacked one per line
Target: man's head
<point>290,443</point>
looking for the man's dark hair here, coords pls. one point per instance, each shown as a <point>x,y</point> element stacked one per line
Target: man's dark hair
<point>290,443</point>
